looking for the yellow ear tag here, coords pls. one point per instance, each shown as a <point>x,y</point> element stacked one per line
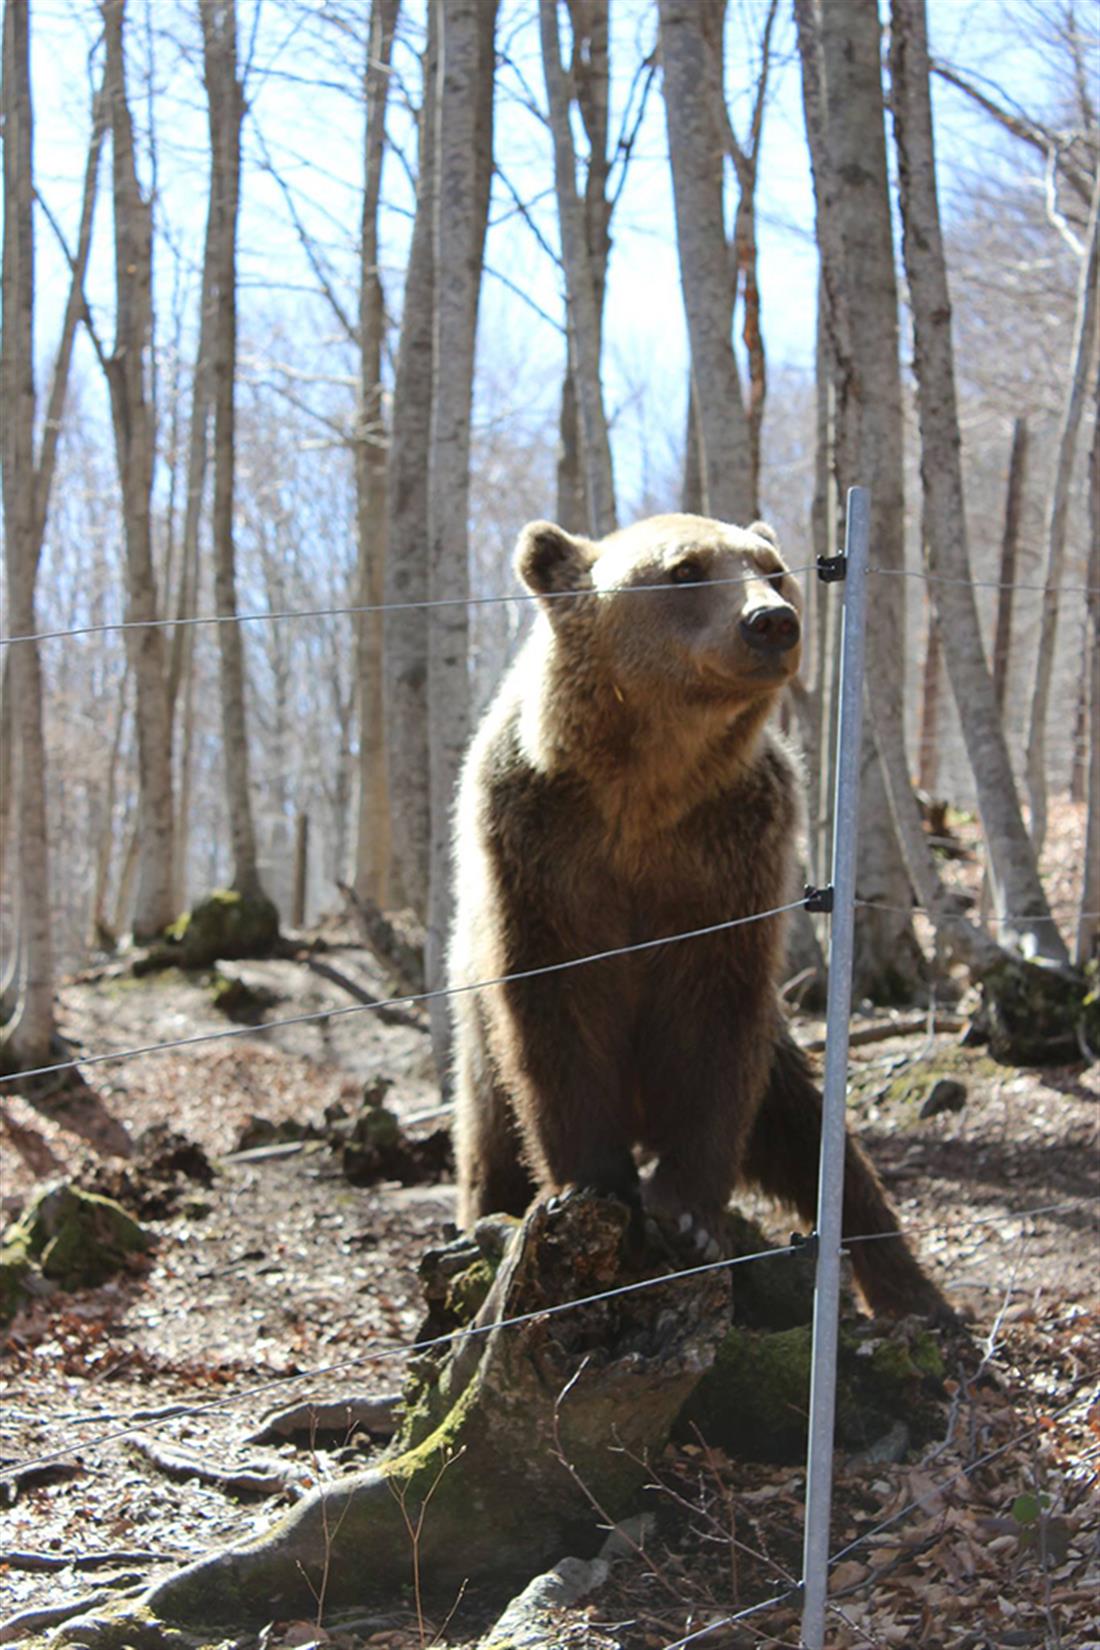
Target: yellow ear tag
<point>618,692</point>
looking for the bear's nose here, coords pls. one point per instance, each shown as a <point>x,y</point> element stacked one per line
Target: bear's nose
<point>771,629</point>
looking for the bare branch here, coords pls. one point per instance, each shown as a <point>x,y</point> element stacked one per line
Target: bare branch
<point>524,211</point>
<point>75,309</point>
<point>306,242</point>
<point>1021,126</point>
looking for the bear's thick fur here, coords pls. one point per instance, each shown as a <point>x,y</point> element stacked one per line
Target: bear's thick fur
<point>624,786</point>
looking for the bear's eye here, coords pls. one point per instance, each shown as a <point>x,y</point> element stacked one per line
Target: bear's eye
<point>688,571</point>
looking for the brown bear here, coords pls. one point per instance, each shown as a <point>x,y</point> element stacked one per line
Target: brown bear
<point>625,785</point>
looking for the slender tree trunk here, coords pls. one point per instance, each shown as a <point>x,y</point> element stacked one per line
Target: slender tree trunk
<point>105,851</point>
<point>225,109</point>
<point>691,486</point>
<point>28,1022</point>
<point>584,263</point>
<point>464,171</point>
<point>1010,540</point>
<point>570,510</point>
<point>1079,762</point>
<point>301,871</point>
<point>7,769</point>
<point>1018,892</point>
<point>134,444</point>
<point>186,727</point>
<point>744,251</point>
<point>1087,944</point>
<point>181,667</point>
<point>839,41</point>
<point>405,653</point>
<point>29,1030</point>
<point>372,843</point>
<point>127,877</point>
<point>928,751</point>
<point>691,52</point>
<point>823,529</point>
<point>1084,349</point>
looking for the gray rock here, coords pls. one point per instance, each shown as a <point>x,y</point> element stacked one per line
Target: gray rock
<point>946,1095</point>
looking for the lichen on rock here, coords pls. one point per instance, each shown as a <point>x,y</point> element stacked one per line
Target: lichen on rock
<point>66,1239</point>
<point>225,925</point>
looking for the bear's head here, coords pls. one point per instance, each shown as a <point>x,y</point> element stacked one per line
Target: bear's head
<point>679,605</point>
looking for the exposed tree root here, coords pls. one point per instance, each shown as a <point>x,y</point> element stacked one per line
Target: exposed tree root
<point>484,1493</point>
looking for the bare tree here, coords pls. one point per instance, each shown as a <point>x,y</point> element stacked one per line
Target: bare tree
<point>181,666</point>
<point>225,112</point>
<point>839,43</point>
<point>372,851</point>
<point>928,739</point>
<point>29,1024</point>
<point>405,652</point>
<point>464,164</point>
<point>584,232</point>
<point>1018,893</point>
<point>1088,920</point>
<point>691,44</point>
<point>1084,348</point>
<point>132,415</point>
<point>1010,541</point>
<point>746,164</point>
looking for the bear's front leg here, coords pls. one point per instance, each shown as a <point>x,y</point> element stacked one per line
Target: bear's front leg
<point>702,1075</point>
<point>560,1047</point>
<point>685,1203</point>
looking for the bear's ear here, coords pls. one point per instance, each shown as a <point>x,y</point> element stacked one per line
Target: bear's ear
<point>764,531</point>
<point>549,560</point>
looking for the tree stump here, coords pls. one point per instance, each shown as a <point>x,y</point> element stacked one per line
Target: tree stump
<point>520,1442</point>
<point>544,1419</point>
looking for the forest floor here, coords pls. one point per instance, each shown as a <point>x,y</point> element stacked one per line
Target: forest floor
<point>279,1281</point>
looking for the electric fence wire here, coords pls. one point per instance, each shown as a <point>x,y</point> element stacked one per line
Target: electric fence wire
<point>361,609</point>
<point>355,610</point>
<point>413,1349</point>
<point>381,1354</point>
<point>986,584</point>
<point>925,911</point>
<point>415,998</point>
<point>723,1622</point>
<point>409,999</point>
<point>1081,1391</point>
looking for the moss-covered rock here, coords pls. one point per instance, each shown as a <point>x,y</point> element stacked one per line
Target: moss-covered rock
<point>754,1403</point>
<point>917,1081</point>
<point>375,1147</point>
<point>773,1293</point>
<point>240,1000</point>
<point>226,924</point>
<point>1035,1015</point>
<point>19,1277</point>
<point>125,1625</point>
<point>70,1238</point>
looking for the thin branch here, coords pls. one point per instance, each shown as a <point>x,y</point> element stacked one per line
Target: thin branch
<point>75,308</point>
<point>84,313</point>
<point>524,212</point>
<point>305,241</point>
<point>1020,125</point>
<point>624,149</point>
<point>520,292</point>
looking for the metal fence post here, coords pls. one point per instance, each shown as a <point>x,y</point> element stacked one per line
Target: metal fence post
<point>830,1196</point>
